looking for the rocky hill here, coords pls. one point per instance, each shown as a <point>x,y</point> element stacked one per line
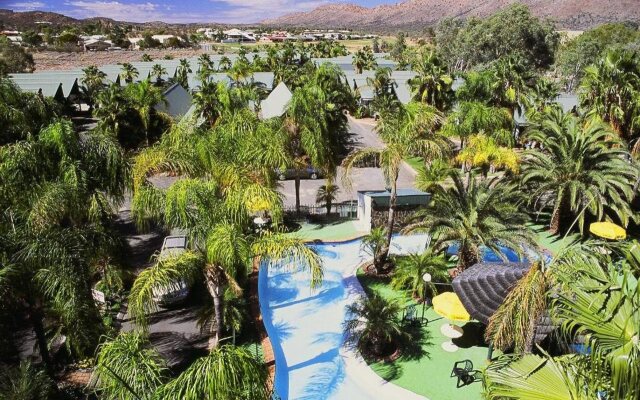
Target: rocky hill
<point>418,14</point>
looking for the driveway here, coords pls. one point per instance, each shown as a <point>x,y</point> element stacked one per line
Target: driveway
<point>364,135</point>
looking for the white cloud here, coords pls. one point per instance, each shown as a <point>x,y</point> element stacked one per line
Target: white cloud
<point>131,12</point>
<point>27,6</point>
<point>258,10</point>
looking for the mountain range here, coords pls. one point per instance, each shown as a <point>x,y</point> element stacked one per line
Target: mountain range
<point>413,15</point>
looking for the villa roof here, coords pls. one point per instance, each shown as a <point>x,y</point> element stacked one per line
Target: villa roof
<point>276,103</point>
<point>178,101</point>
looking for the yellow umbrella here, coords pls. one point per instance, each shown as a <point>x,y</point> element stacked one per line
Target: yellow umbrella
<point>450,307</point>
<point>608,230</point>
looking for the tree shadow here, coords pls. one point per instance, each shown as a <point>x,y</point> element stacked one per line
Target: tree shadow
<point>473,336</point>
<point>414,346</point>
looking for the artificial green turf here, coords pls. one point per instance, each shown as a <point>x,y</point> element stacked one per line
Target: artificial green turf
<point>553,243</point>
<point>341,230</point>
<point>428,373</point>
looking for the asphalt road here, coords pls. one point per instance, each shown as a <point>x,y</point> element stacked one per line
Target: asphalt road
<point>361,178</point>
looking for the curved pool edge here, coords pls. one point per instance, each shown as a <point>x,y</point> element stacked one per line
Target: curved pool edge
<point>357,368</point>
<point>256,315</point>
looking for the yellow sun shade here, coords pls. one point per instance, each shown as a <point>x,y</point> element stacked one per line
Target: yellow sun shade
<point>608,230</point>
<point>450,307</point>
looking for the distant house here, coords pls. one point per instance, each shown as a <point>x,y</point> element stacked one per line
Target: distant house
<point>97,45</point>
<point>236,36</point>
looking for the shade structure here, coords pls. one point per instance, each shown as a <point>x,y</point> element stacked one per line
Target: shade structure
<point>608,230</point>
<point>450,307</point>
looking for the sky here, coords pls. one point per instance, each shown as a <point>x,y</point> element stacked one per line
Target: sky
<point>225,11</point>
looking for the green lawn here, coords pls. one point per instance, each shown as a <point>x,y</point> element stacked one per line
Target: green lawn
<point>415,163</point>
<point>427,371</point>
<point>336,231</point>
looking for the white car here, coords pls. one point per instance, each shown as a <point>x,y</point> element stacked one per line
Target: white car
<point>177,291</point>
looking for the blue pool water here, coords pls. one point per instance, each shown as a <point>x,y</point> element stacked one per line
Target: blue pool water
<point>305,325</point>
<point>489,255</point>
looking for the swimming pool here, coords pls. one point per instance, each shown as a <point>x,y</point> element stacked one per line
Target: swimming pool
<point>305,325</point>
<point>489,255</point>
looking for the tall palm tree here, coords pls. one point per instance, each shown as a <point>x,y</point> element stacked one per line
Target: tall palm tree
<point>410,133</point>
<point>373,325</point>
<point>582,170</point>
<point>327,194</point>
<point>208,101</point>
<point>410,269</point>
<point>182,73</point>
<point>474,117</point>
<point>511,78</point>
<point>364,59</point>
<point>611,90</point>
<point>480,213</point>
<point>224,64</point>
<point>144,96</point>
<point>111,108</point>
<point>158,71</point>
<point>432,83</point>
<point>128,73</point>
<point>222,187</point>
<point>93,83</point>
<point>58,228</point>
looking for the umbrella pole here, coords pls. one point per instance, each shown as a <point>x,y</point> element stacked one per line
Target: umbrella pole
<point>490,353</point>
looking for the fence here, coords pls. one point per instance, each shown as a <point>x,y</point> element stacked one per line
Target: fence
<point>345,211</point>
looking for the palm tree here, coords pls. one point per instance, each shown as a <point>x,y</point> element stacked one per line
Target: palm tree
<point>158,71</point>
<point>224,64</point>
<point>373,325</point>
<point>432,83</point>
<point>223,186</point>
<point>472,118</point>
<point>208,101</point>
<point>93,81</point>
<point>483,151</point>
<point>182,73</point>
<point>611,89</point>
<point>111,108</point>
<point>58,229</point>
<point>537,377</point>
<point>513,325</point>
<point>364,60</point>
<point>410,269</point>
<point>327,194</point>
<point>25,382</point>
<point>128,73</point>
<point>144,97</point>
<point>480,213</point>
<point>510,83</point>
<point>146,58</point>
<point>583,169</point>
<point>606,317</point>
<point>407,134</point>
<point>128,368</point>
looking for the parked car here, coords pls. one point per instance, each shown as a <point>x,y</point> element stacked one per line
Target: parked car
<point>176,292</point>
<point>306,173</point>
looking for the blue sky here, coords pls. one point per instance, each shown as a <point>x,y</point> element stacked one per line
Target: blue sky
<point>177,11</point>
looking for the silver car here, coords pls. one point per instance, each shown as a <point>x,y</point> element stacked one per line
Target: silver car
<point>176,292</point>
